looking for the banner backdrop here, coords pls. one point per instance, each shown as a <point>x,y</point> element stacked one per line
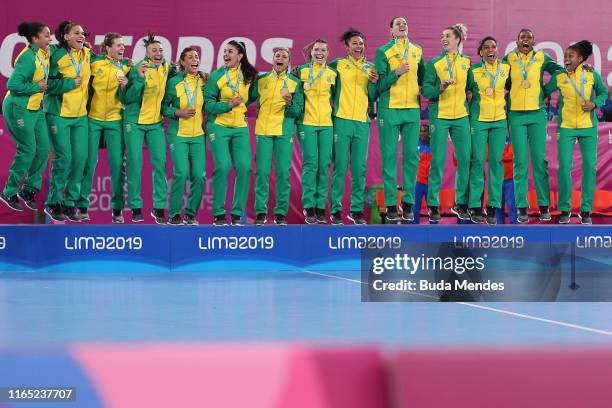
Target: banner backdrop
<point>262,26</point>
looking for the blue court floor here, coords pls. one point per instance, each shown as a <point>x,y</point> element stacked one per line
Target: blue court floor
<point>61,308</point>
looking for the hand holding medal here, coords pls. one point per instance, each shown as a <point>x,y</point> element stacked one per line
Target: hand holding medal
<point>588,106</point>
<point>42,86</point>
<point>402,69</point>
<point>373,74</point>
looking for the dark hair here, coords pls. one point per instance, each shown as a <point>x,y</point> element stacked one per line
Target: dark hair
<point>484,40</point>
<point>150,39</point>
<point>183,55</point>
<point>523,30</point>
<point>248,71</point>
<point>584,48</point>
<point>307,50</point>
<point>30,29</point>
<point>350,33</point>
<point>108,41</point>
<point>62,29</point>
<point>395,18</point>
<point>460,31</point>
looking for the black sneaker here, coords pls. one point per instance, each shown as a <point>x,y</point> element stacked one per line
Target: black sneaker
<point>491,218</point>
<point>137,215</point>
<point>407,213</point>
<point>55,212</point>
<point>476,215</point>
<point>544,213</point>
<point>585,218</point>
<point>12,202</point>
<point>83,214</point>
<point>28,199</point>
<point>280,219</point>
<point>117,217</point>
<point>176,220</point>
<point>72,214</point>
<point>392,215</point>
<point>190,220</point>
<point>260,219</point>
<point>220,220</point>
<point>320,215</point>
<point>434,214</point>
<point>237,221</point>
<point>357,218</point>
<point>523,217</point>
<point>336,218</point>
<point>159,215</point>
<point>565,217</point>
<point>309,215</point>
<point>460,210</point>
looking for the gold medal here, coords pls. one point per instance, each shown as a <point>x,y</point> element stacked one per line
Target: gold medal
<point>119,74</point>
<point>285,92</point>
<point>489,91</point>
<point>526,84</point>
<point>306,86</point>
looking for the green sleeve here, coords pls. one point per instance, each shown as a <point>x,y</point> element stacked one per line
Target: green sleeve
<point>386,76</point>
<point>431,82</point>
<point>372,91</point>
<point>550,65</point>
<point>297,103</point>
<point>253,92</point>
<point>600,90</point>
<point>57,84</point>
<point>212,104</point>
<point>169,104</point>
<point>121,91</point>
<point>421,72</point>
<point>135,87</point>
<point>96,57</point>
<point>470,84</point>
<point>20,81</point>
<point>551,86</point>
<point>172,71</point>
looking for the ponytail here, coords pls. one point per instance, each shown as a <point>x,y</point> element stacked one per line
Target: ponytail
<point>64,28</point>
<point>249,73</point>
<point>30,29</point>
<point>584,48</point>
<point>460,30</point>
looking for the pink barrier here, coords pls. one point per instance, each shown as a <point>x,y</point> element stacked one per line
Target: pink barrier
<point>240,376</point>
<point>503,378</point>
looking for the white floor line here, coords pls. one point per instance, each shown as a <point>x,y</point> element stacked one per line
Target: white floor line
<point>493,309</point>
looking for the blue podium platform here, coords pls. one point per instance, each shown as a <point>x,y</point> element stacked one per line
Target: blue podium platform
<point>96,248</point>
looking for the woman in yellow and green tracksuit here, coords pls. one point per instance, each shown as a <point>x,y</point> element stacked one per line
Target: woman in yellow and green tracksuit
<point>280,102</point>
<point>109,79</point>
<point>315,129</point>
<point>487,83</point>
<point>355,88</point>
<point>527,119</point>
<point>225,97</point>
<point>401,67</point>
<point>24,117</point>
<point>445,86</point>
<point>66,109</point>
<point>142,121</point>
<point>580,93</point>
<point>184,107</point>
